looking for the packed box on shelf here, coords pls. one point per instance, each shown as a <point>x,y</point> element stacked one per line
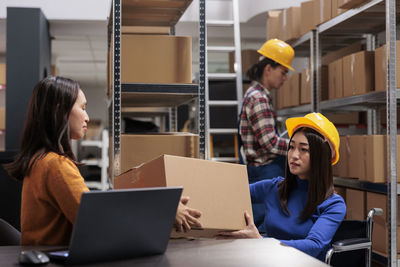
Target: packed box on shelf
<point>380,67</point>
<point>139,148</point>
<point>305,89</point>
<point>380,230</point>
<point>2,73</point>
<point>358,73</point>
<point>355,204</point>
<point>219,190</point>
<point>274,24</point>
<point>348,4</point>
<point>364,157</point>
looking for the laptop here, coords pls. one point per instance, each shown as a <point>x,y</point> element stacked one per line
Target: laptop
<point>120,224</point>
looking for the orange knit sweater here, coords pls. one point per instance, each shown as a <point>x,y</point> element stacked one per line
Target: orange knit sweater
<point>50,200</point>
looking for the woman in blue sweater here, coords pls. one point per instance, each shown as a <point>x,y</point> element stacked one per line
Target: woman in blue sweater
<point>302,210</point>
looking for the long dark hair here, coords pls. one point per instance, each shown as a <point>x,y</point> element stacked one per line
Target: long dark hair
<point>46,127</point>
<point>320,181</point>
<point>255,73</point>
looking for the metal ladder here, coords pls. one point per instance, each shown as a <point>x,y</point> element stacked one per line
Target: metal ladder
<point>235,23</point>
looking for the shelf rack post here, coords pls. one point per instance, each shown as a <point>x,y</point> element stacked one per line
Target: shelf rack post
<point>203,86</point>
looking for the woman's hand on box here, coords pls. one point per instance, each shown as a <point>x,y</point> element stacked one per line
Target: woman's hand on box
<point>250,231</point>
<point>186,217</point>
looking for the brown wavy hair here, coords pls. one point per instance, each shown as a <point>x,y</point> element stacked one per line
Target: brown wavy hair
<point>320,181</point>
<point>46,127</point>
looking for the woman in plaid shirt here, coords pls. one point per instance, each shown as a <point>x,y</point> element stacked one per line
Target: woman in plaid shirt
<point>264,150</point>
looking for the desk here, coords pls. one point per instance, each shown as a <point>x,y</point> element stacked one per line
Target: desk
<point>205,253</point>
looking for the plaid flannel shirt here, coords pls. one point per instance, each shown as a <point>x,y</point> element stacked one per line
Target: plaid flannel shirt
<point>261,142</point>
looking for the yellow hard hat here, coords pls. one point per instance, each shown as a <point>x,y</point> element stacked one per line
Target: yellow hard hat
<point>321,124</point>
<point>278,51</point>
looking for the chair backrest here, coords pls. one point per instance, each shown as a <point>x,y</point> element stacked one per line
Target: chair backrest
<point>9,236</point>
<point>350,229</point>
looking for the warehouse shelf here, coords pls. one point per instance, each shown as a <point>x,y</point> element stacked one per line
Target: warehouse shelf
<point>302,45</point>
<point>362,185</point>
<point>157,95</point>
<point>372,98</point>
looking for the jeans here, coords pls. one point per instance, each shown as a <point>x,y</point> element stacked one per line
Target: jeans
<point>258,173</point>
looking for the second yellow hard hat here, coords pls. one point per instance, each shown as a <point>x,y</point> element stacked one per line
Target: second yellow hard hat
<point>321,124</point>
<point>278,51</point>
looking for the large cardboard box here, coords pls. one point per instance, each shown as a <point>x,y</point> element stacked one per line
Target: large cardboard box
<point>307,17</point>
<point>335,79</point>
<point>335,8</point>
<point>249,58</point>
<point>322,11</point>
<point>2,73</point>
<point>355,203</point>
<point>2,118</point>
<point>139,148</point>
<point>358,74</point>
<point>376,158</point>
<point>348,4</point>
<point>324,83</point>
<point>293,19</point>
<point>274,24</point>
<point>343,118</point>
<point>380,67</point>
<point>380,230</point>
<point>156,59</point>
<point>159,30</point>
<point>305,91</point>
<point>356,156</point>
<point>219,190</point>
<point>341,191</point>
<point>341,168</point>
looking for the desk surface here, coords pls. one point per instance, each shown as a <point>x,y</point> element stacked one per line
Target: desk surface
<point>208,253</point>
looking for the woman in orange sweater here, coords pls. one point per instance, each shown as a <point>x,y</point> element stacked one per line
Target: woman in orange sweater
<point>52,183</point>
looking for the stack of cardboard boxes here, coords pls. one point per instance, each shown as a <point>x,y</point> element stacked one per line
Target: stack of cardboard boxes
<point>150,55</point>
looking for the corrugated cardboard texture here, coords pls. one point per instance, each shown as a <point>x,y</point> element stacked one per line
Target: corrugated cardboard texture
<point>145,30</point>
<point>293,21</point>
<point>356,157</point>
<point>305,91</point>
<point>156,59</point>
<point>219,190</point>
<point>355,203</point>
<point>343,118</point>
<point>380,67</point>
<point>348,4</point>
<point>307,17</point>
<point>336,79</point>
<point>294,88</point>
<point>341,168</point>
<point>137,149</point>
<point>332,56</point>
<point>274,24</point>
<point>358,72</point>
<point>2,73</point>
<point>322,11</point>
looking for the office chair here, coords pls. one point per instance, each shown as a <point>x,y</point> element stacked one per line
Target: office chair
<point>9,236</point>
<point>352,242</point>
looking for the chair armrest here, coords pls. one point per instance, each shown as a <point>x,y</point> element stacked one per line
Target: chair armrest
<point>351,244</point>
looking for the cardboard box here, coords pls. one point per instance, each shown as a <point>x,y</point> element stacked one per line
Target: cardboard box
<point>340,168</point>
<point>356,156</point>
<point>355,202</point>
<point>159,30</point>
<point>324,83</point>
<point>307,17</point>
<point>2,118</point>
<point>156,59</point>
<point>322,11</point>
<point>139,148</point>
<point>294,89</point>
<point>305,91</point>
<point>335,8</point>
<point>249,58</point>
<point>2,73</point>
<point>380,230</point>
<point>209,184</point>
<point>343,118</point>
<point>292,26</point>
<point>332,56</point>
<point>376,158</point>
<point>358,72</point>
<point>274,24</point>
<point>380,67</point>
<point>335,77</point>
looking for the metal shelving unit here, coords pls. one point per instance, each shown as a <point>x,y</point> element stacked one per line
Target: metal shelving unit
<point>147,13</point>
<point>362,23</point>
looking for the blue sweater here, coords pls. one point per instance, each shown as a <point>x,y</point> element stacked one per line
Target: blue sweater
<point>311,236</point>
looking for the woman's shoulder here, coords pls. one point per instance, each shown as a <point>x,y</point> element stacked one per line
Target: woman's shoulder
<point>255,92</point>
<point>53,160</point>
<point>335,202</point>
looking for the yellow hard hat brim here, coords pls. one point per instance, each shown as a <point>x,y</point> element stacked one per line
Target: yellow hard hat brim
<point>292,124</point>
